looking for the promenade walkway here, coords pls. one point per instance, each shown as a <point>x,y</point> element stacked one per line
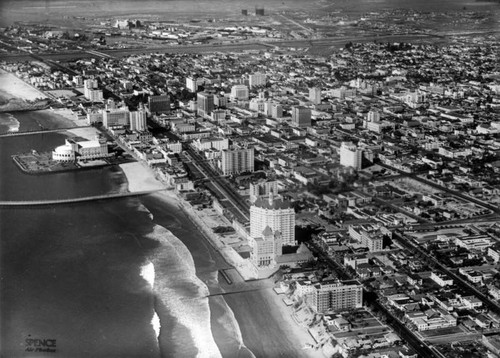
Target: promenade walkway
<point>74,200</point>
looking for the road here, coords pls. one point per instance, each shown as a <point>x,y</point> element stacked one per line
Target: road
<point>219,183</point>
<point>306,43</point>
<point>458,194</point>
<point>372,298</point>
<point>409,244</point>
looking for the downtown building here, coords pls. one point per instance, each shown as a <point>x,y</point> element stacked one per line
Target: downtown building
<point>257,79</point>
<point>138,120</point>
<point>350,155</point>
<point>205,104</point>
<point>239,92</point>
<point>91,91</point>
<point>315,95</point>
<point>238,160</point>
<point>334,295</point>
<point>159,104</point>
<point>301,116</point>
<point>116,117</point>
<point>275,213</point>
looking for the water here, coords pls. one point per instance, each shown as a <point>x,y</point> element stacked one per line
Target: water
<point>81,274</point>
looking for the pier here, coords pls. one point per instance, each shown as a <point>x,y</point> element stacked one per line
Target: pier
<point>74,200</point>
<point>41,131</point>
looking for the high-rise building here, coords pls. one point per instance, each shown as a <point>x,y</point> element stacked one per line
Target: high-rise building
<point>276,110</point>
<point>276,213</point>
<point>220,101</point>
<point>239,92</point>
<point>78,80</point>
<point>301,116</point>
<point>235,161</point>
<point>257,105</point>
<point>159,104</point>
<point>93,95</point>
<point>91,92</point>
<point>334,295</point>
<point>257,79</point>
<point>116,117</point>
<point>138,120</point>
<point>315,95</point>
<point>265,248</point>
<point>263,188</point>
<point>192,84</point>
<point>373,116</point>
<point>205,103</point>
<point>350,155</point>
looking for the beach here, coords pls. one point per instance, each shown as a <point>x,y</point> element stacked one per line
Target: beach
<point>12,87</point>
<point>259,316</point>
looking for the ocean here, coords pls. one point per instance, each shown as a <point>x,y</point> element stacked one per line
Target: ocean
<point>119,278</point>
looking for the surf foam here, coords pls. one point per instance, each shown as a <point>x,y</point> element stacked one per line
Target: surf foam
<point>181,291</point>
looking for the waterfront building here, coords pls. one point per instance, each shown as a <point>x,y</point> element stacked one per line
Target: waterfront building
<point>315,95</point>
<point>350,155</point>
<point>301,116</point>
<point>239,92</point>
<point>257,79</point>
<point>275,213</point>
<point>334,295</point>
<point>265,248</point>
<point>235,161</point>
<point>159,104</point>
<point>205,103</point>
<point>74,150</point>
<point>138,120</point>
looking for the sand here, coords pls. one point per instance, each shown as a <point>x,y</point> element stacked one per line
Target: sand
<point>140,177</point>
<point>13,87</point>
<point>267,326</point>
<point>88,133</point>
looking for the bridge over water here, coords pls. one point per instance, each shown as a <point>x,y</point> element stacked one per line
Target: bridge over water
<point>41,131</point>
<point>75,200</point>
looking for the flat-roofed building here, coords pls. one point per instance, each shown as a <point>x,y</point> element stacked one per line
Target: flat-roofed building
<point>235,161</point>
<point>334,295</point>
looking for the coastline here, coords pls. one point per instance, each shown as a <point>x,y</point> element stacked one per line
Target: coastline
<point>16,88</point>
<point>259,317</point>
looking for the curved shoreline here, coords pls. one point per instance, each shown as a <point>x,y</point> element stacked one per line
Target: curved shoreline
<point>252,310</point>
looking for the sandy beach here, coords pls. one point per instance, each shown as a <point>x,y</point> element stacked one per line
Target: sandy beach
<point>88,133</point>
<point>267,326</point>
<point>13,87</point>
<point>266,323</point>
<point>141,178</point>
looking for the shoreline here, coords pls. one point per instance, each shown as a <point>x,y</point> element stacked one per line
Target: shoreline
<point>17,88</point>
<point>273,312</point>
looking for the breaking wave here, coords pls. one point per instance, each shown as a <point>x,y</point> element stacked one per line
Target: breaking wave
<point>10,122</point>
<point>176,286</point>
